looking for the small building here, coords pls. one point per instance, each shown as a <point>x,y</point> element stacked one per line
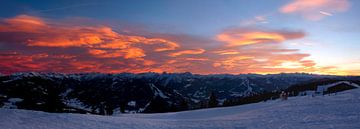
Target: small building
<point>335,87</point>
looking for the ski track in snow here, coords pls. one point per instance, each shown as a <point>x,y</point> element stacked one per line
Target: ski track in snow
<point>340,111</point>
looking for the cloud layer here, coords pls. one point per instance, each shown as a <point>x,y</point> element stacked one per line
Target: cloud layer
<point>30,43</point>
<point>247,36</point>
<point>315,9</point>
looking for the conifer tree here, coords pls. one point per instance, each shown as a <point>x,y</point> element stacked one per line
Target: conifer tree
<point>213,102</point>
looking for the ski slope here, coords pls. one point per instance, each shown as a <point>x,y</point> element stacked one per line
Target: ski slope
<point>340,111</point>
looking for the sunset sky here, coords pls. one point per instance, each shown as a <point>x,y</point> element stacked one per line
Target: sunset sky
<point>198,36</point>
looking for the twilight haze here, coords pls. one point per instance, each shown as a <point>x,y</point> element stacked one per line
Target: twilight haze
<point>198,36</point>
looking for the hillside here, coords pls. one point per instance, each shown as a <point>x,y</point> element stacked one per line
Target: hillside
<point>109,94</point>
<point>335,111</point>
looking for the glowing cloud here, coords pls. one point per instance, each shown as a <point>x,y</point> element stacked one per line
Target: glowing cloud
<point>32,43</point>
<point>252,50</point>
<point>227,52</point>
<point>243,36</point>
<point>111,43</point>
<point>187,52</point>
<point>315,9</point>
<point>94,48</point>
<point>24,23</point>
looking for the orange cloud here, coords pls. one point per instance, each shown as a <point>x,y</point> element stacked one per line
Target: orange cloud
<point>243,36</point>
<point>19,62</point>
<point>315,9</point>
<point>24,23</point>
<point>134,53</point>
<point>37,44</point>
<point>197,59</point>
<point>104,54</point>
<point>168,44</point>
<point>96,47</point>
<point>226,52</point>
<point>232,63</point>
<point>187,52</point>
<point>250,50</point>
<point>100,41</point>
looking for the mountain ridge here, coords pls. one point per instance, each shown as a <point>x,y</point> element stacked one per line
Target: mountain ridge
<point>148,92</point>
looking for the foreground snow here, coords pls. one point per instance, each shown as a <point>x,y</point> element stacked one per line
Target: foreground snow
<point>337,111</point>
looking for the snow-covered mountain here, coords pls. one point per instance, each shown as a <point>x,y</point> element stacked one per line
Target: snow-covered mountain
<point>148,92</point>
<point>340,111</point>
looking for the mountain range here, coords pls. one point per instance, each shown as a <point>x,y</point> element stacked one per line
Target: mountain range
<point>108,94</point>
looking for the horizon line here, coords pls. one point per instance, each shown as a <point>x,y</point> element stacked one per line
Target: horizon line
<point>7,74</point>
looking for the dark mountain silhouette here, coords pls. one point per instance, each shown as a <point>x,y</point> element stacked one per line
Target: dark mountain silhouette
<point>106,94</point>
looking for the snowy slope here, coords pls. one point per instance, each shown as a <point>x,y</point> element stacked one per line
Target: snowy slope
<point>341,111</point>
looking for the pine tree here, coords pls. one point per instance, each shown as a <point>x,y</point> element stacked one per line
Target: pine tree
<point>213,102</point>
<point>122,106</point>
<point>228,102</point>
<point>183,105</point>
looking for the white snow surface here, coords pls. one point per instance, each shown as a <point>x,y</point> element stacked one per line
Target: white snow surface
<point>157,91</point>
<point>340,111</point>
